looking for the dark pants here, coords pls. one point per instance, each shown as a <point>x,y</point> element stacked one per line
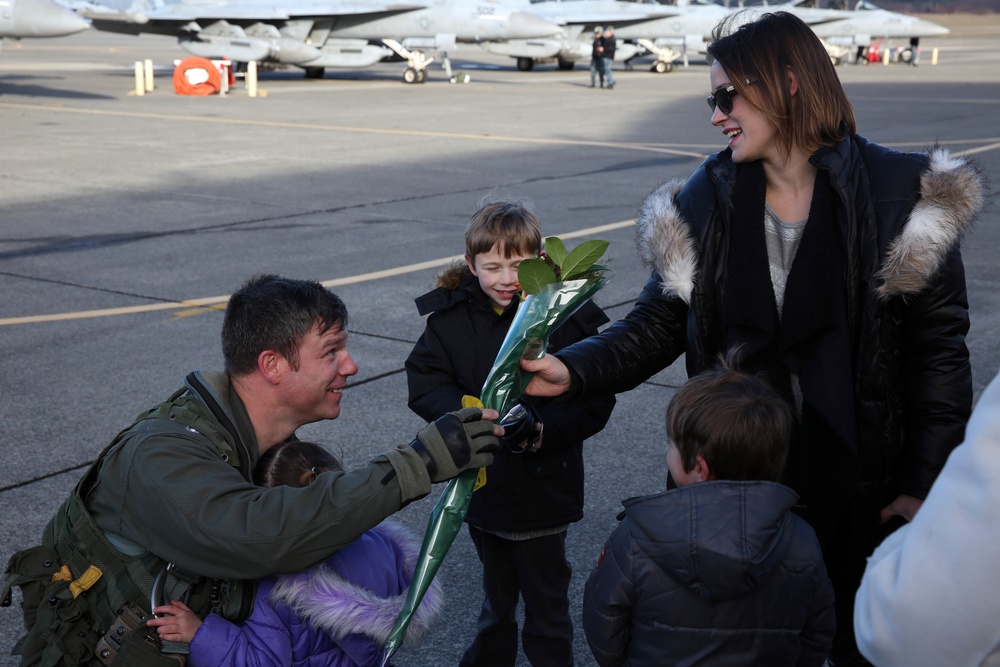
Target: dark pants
<point>848,532</point>
<point>537,571</point>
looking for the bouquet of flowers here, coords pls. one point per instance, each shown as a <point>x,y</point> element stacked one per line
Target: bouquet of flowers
<point>553,286</point>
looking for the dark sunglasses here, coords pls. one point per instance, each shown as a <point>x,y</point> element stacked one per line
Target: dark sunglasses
<point>723,97</point>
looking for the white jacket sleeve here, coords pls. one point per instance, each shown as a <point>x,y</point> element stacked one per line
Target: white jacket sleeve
<point>931,592</point>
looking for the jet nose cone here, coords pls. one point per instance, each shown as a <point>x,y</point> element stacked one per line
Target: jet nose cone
<point>527,26</point>
<point>45,18</point>
<point>928,28</point>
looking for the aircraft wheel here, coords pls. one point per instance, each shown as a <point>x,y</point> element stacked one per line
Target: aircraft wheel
<point>315,72</point>
<point>410,75</point>
<point>525,64</point>
<point>566,64</point>
<point>662,67</point>
<point>906,55</point>
<point>421,76</point>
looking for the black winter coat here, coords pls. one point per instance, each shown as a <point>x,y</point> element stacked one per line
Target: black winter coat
<point>523,491</point>
<point>718,574</point>
<point>901,221</point>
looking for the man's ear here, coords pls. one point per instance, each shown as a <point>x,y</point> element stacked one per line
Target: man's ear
<point>471,264</point>
<point>702,472</point>
<point>271,365</point>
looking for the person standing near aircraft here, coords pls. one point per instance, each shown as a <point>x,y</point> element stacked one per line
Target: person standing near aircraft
<point>835,264</point>
<point>608,55</point>
<point>596,59</point>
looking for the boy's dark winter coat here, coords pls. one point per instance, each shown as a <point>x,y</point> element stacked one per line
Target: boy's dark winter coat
<point>718,574</point>
<point>453,357</point>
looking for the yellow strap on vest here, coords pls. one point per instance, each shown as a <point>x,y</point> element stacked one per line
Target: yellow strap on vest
<point>88,579</point>
<point>473,402</point>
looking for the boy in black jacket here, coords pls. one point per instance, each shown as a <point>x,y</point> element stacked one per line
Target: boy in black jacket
<point>518,520</point>
<point>717,572</point>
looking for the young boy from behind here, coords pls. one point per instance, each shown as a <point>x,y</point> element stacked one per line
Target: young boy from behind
<point>717,571</point>
<point>518,520</point>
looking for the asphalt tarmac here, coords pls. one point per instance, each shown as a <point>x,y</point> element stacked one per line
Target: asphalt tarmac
<point>121,212</point>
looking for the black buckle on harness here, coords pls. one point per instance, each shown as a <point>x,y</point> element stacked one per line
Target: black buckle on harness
<point>129,618</point>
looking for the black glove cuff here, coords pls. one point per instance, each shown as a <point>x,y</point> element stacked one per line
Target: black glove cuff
<point>452,432</point>
<point>425,456</point>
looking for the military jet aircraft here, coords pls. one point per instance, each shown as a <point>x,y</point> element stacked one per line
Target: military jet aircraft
<point>37,18</point>
<point>315,34</point>
<point>664,30</point>
<point>841,29</point>
<point>671,31</point>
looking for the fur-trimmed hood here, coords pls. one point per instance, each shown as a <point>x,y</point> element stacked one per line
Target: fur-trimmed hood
<point>338,607</point>
<point>952,195</point>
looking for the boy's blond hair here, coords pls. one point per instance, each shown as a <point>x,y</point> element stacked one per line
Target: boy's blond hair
<point>508,225</point>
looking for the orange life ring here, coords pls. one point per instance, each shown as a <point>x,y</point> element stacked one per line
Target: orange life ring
<point>197,76</point>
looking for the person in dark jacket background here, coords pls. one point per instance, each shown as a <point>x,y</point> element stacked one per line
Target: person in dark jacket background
<point>596,59</point>
<point>835,263</point>
<point>717,572</point>
<point>608,44</point>
<point>518,520</point>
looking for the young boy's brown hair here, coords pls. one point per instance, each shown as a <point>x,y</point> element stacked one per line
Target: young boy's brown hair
<point>734,421</point>
<point>508,224</point>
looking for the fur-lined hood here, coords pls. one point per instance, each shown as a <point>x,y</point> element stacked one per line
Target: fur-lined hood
<point>338,607</point>
<point>953,193</point>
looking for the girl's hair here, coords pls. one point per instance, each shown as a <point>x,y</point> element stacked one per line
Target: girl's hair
<point>508,224</point>
<point>734,420</point>
<point>758,55</point>
<point>294,463</point>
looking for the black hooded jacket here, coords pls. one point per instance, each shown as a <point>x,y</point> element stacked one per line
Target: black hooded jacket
<point>901,217</point>
<point>524,491</point>
<point>714,574</point>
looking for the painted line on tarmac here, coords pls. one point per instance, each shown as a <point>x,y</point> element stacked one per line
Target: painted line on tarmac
<point>208,303</point>
<point>360,130</point>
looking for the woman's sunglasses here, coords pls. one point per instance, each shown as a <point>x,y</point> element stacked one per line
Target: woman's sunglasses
<point>723,97</point>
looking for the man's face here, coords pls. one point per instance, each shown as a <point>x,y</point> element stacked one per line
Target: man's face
<point>313,390</point>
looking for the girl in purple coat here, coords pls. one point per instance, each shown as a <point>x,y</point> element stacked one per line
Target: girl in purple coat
<point>337,614</point>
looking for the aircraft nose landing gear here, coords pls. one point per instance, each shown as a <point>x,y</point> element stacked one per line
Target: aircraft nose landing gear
<point>417,61</point>
<point>413,75</point>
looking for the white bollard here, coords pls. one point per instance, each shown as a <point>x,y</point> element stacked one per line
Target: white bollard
<point>885,57</point>
<point>140,86</point>
<point>147,66</point>
<point>934,56</point>
<point>252,78</point>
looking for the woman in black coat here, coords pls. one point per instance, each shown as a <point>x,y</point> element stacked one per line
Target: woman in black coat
<point>834,264</point>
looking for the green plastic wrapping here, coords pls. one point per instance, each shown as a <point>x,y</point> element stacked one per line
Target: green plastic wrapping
<point>537,317</point>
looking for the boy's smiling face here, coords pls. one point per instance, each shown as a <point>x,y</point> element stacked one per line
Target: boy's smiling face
<point>497,274</point>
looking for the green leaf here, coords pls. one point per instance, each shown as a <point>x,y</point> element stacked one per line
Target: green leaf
<point>582,257</point>
<point>555,249</point>
<point>534,274</point>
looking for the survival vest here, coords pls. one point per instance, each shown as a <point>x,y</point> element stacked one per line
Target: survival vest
<point>86,594</point>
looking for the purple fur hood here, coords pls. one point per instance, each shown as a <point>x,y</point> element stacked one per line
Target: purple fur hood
<point>338,613</point>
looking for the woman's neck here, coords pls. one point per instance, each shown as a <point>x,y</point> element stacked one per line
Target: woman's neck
<point>790,186</point>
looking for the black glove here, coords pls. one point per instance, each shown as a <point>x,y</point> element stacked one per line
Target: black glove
<point>455,442</point>
<point>519,427</point>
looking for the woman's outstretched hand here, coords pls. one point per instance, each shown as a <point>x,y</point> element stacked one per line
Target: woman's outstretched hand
<point>551,376</point>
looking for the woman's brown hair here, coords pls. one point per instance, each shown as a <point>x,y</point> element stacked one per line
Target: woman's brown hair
<point>758,55</point>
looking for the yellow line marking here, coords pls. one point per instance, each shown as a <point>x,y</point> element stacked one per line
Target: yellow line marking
<point>194,306</point>
<point>361,130</point>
